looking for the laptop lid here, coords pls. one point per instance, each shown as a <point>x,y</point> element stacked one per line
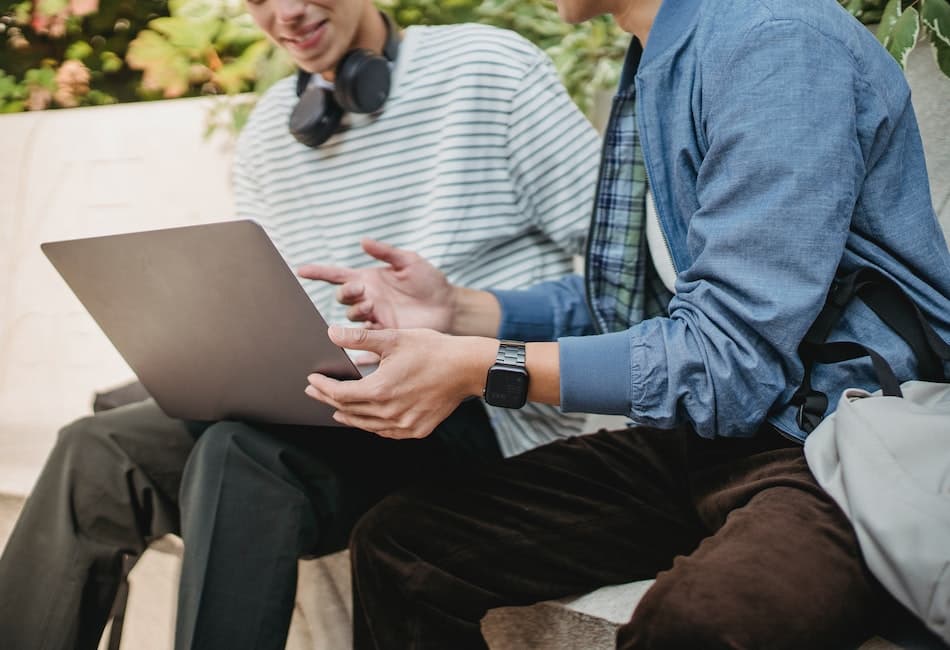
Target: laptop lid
<point>210,318</point>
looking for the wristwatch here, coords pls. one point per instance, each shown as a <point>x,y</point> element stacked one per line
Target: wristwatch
<point>507,383</point>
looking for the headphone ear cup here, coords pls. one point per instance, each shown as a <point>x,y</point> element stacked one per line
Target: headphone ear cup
<point>316,117</point>
<point>362,82</point>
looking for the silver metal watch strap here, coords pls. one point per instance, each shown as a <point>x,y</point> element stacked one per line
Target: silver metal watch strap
<point>511,353</point>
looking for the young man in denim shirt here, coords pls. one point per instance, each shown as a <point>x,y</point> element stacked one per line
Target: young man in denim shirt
<point>756,149</point>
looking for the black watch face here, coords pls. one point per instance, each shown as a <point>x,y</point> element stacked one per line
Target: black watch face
<point>507,386</point>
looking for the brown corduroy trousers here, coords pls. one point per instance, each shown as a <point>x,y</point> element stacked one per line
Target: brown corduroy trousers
<point>747,550</point>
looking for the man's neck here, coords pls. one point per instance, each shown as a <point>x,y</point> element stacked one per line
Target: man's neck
<point>636,17</point>
<point>371,32</point>
<point>370,35</point>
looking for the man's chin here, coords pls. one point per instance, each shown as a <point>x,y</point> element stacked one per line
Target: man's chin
<point>313,66</point>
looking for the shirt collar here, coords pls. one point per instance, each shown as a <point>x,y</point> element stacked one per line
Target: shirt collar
<point>674,19</point>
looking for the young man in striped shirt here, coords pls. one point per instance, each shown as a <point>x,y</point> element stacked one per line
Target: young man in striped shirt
<point>480,162</point>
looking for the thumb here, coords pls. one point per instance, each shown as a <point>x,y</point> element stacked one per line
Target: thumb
<point>358,338</point>
<point>398,258</point>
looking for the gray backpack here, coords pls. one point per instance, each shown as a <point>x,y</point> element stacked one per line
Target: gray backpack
<point>884,457</point>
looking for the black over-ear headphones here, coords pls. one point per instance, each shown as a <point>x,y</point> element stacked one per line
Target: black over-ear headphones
<point>361,86</point>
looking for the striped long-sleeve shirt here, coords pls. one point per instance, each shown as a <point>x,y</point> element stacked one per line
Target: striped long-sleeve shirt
<point>479,162</point>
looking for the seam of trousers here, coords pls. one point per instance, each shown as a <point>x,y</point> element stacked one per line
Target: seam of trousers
<point>191,633</point>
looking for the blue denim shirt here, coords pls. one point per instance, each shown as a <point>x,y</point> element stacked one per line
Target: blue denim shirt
<point>780,144</point>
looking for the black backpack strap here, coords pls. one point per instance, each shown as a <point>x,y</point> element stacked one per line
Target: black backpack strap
<point>902,315</point>
<point>128,561</point>
<point>886,299</point>
<point>847,350</point>
<point>812,403</point>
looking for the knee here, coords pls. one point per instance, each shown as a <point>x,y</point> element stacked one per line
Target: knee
<point>235,458</point>
<point>684,615</point>
<point>377,538</point>
<point>214,442</point>
<point>211,456</point>
<point>80,442</point>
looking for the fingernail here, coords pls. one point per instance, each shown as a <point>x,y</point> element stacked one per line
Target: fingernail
<point>311,391</point>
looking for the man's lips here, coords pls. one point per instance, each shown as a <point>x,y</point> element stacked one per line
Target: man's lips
<point>306,38</point>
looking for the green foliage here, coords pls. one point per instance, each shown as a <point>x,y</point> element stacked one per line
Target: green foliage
<point>150,49</point>
<point>588,56</point>
<point>63,53</point>
<point>60,53</point>
<point>431,12</point>
<point>204,46</point>
<point>901,24</point>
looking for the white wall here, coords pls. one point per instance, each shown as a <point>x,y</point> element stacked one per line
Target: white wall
<point>75,173</point>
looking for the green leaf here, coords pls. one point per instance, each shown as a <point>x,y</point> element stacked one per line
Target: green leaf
<point>232,76</point>
<point>110,62</point>
<point>855,7</point>
<point>99,98</point>
<point>164,67</point>
<point>936,15</point>
<point>51,7</point>
<point>892,13</point>
<point>22,13</point>
<point>9,88</point>
<point>237,34</point>
<point>192,36</point>
<point>44,77</point>
<point>200,10</point>
<point>904,35</point>
<point>941,53</point>
<point>78,50</point>
<point>17,106</point>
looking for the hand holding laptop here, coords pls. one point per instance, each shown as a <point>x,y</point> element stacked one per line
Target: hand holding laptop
<point>421,379</point>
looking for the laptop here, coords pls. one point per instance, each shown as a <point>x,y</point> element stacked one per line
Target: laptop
<point>210,318</point>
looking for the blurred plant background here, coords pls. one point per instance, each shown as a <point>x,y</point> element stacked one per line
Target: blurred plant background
<point>65,53</point>
<point>901,24</point>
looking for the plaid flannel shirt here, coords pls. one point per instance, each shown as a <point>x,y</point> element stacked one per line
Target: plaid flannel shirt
<point>622,283</point>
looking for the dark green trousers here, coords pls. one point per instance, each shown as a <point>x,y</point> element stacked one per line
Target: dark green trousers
<point>248,500</point>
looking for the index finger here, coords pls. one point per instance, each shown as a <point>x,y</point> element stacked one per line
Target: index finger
<point>331,274</point>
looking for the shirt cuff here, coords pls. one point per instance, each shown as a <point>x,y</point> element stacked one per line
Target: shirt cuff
<point>595,373</point>
<point>526,315</point>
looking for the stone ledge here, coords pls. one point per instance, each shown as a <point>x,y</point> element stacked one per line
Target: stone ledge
<point>589,621</point>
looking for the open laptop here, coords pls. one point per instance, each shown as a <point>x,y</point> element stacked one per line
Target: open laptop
<point>210,318</point>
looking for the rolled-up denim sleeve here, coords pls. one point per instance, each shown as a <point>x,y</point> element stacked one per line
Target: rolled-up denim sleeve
<point>545,312</point>
<point>596,373</point>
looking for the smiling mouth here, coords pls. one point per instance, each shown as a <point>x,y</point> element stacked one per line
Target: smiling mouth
<point>306,39</point>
